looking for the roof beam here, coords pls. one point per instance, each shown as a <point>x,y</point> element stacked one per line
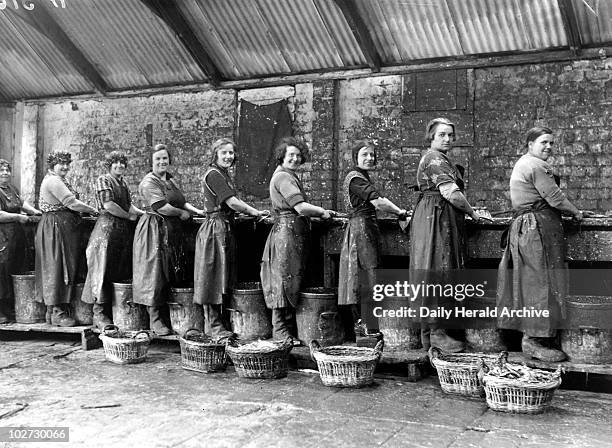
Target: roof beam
<point>361,33</point>
<point>43,22</point>
<point>570,23</point>
<point>168,11</point>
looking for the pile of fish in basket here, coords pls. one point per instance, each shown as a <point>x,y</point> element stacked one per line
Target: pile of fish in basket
<point>507,387</point>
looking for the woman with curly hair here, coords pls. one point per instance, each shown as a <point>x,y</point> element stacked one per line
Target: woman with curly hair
<point>57,239</point>
<point>286,250</point>
<point>109,252</point>
<point>12,236</point>
<point>215,252</point>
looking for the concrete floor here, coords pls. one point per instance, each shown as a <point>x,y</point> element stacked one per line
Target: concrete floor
<point>52,382</point>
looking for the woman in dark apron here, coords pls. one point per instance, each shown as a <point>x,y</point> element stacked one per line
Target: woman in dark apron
<point>158,255</point>
<point>215,266</point>
<point>109,252</point>
<point>361,244</point>
<point>286,250</point>
<point>533,271</point>
<point>12,237</point>
<point>57,240</point>
<point>437,231</point>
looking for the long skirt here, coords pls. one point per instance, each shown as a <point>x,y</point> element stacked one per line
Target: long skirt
<point>12,256</point>
<point>533,273</point>
<point>437,245</point>
<point>57,246</point>
<point>214,271</point>
<point>284,260</point>
<point>158,258</point>
<point>360,252</point>
<point>109,257</point>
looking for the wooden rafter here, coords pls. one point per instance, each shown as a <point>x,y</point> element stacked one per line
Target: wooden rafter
<point>570,23</point>
<point>361,33</point>
<point>169,12</point>
<point>43,22</point>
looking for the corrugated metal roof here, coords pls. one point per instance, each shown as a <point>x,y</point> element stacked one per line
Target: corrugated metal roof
<point>31,66</point>
<point>594,20</point>
<point>130,46</point>
<point>247,38</point>
<point>133,48</point>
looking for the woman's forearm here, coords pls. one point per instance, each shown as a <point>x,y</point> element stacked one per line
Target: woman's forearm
<point>240,206</point>
<point>114,209</point>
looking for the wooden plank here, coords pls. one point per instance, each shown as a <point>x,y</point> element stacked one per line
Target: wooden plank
<point>44,23</point>
<point>170,13</point>
<point>360,32</point>
<point>89,340</point>
<point>521,358</point>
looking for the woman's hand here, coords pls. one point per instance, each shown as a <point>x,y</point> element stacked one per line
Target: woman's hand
<point>262,214</point>
<point>579,215</point>
<point>184,215</point>
<point>200,212</point>
<point>22,219</point>
<point>328,214</point>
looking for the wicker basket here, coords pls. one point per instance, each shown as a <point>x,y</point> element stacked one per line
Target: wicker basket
<point>519,397</point>
<point>200,353</point>
<point>251,361</point>
<point>341,366</point>
<point>125,347</point>
<point>459,372</point>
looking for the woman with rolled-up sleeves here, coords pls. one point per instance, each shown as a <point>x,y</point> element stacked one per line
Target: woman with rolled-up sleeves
<point>57,240</point>
<point>286,250</point>
<point>109,251</point>
<point>158,258</point>
<point>215,253</point>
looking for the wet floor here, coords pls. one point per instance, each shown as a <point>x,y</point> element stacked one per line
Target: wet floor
<point>52,382</point>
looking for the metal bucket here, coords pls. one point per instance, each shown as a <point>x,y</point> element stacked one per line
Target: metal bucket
<point>27,309</point>
<point>184,314</point>
<point>317,317</point>
<point>81,312</point>
<point>589,312</point>
<point>399,332</point>
<point>128,315</point>
<point>249,316</point>
<point>587,345</point>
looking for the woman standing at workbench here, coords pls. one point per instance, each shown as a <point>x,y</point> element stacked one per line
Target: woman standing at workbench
<point>215,266</point>
<point>533,271</point>
<point>57,240</point>
<point>360,247</point>
<point>12,237</point>
<point>286,250</point>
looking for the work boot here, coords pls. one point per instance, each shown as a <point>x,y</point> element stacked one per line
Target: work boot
<point>536,348</point>
<point>487,340</point>
<point>60,318</point>
<point>425,338</point>
<point>100,320</point>
<point>217,329</point>
<point>155,322</point>
<point>440,339</point>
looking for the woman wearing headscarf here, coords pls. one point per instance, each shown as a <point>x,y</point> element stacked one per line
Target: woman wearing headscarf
<point>215,252</point>
<point>57,239</point>
<point>12,237</point>
<point>109,252</point>
<point>158,255</point>
<point>437,231</point>
<point>361,244</point>
<point>286,249</point>
<point>533,271</point>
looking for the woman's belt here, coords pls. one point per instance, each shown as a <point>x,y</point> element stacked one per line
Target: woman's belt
<point>535,207</point>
